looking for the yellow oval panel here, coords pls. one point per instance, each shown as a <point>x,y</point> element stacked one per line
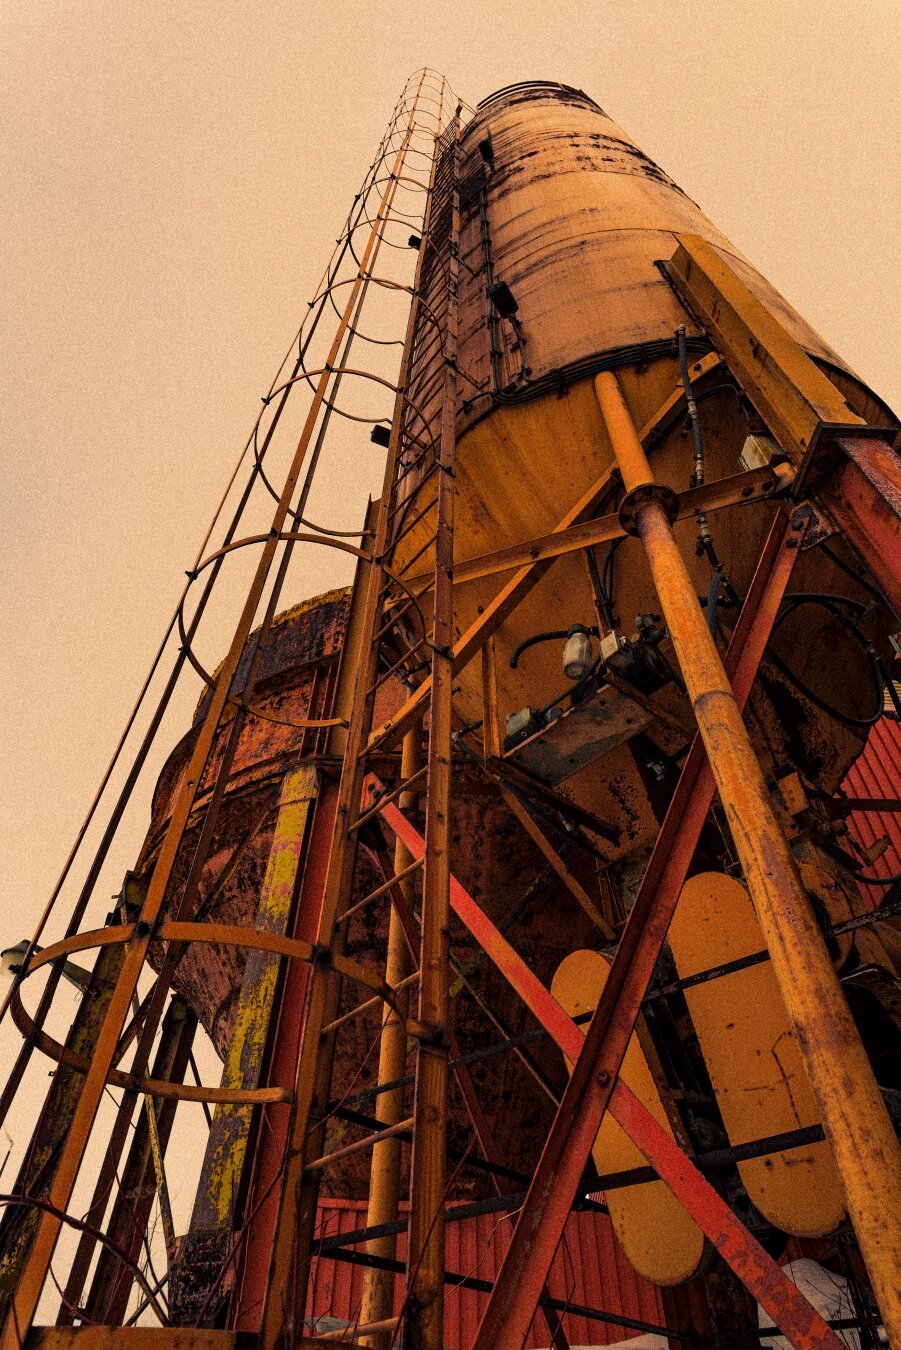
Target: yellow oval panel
<point>658,1237</point>
<point>752,1056</point>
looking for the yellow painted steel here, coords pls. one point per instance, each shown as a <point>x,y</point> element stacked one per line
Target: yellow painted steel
<point>752,1056</point>
<point>657,1235</point>
<point>217,1193</point>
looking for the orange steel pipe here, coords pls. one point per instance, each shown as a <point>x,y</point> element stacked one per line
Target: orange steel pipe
<point>856,1123</point>
<point>384,1177</point>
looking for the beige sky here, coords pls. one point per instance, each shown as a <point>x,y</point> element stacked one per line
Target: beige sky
<point>174,174</point>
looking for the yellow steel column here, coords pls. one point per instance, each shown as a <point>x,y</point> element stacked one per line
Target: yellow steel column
<point>384,1179</point>
<point>854,1117</point>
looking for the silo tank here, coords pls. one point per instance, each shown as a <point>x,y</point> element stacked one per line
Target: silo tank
<point>564,222</point>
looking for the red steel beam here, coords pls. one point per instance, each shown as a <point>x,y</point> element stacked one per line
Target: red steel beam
<point>863,496</point>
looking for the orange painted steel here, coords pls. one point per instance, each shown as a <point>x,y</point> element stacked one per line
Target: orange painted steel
<point>863,496</point>
<point>857,1124</point>
<point>384,1185</point>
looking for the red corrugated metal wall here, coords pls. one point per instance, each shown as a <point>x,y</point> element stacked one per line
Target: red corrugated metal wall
<point>877,773</point>
<point>589,1268</point>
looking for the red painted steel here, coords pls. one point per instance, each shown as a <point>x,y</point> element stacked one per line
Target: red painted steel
<point>877,773</point>
<point>589,1268</point>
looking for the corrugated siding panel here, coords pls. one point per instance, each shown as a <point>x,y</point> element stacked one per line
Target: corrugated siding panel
<point>877,773</point>
<point>589,1268</point>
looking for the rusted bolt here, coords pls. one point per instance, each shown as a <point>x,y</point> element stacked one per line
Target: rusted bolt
<point>603,1078</point>
<point>791,543</point>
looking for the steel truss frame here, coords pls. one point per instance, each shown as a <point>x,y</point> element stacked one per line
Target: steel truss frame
<point>840,474</point>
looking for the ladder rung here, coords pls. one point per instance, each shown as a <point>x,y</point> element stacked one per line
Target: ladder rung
<point>416,462</point>
<point>389,797</point>
<point>418,554</point>
<point>379,890</point>
<point>370,1003</point>
<point>397,665</point>
<point>411,524</point>
<point>395,618</point>
<point>402,1127</point>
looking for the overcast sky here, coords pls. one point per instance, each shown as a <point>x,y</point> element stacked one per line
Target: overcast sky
<point>173,176</point>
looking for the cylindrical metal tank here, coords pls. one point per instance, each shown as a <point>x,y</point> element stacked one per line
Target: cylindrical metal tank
<point>564,223</point>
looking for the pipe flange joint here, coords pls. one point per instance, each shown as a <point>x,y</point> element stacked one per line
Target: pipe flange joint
<point>631,505</point>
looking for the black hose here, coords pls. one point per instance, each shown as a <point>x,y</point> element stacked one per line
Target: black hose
<point>832,603</point>
<point>604,600</point>
<point>607,569</point>
<point>861,581</point>
<point>690,404</point>
<point>713,592</point>
<point>573,689</point>
<point>550,636</point>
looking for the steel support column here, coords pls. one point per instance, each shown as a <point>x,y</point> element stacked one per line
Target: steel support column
<point>428,1183</point>
<point>384,1183</point>
<point>127,1225</point>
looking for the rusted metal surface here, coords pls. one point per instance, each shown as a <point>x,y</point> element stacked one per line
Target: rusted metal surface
<point>215,1214</point>
<point>546,215</point>
<point>581,735</point>
<point>863,496</point>
<point>797,401</point>
<point>306,1135</point>
<point>500,453</point>
<point>303,642</point>
<point>739,490</point>
<point>577,215</point>
<point>856,473</point>
<point>18,1225</point>
<point>377,1300</point>
<point>127,1226</point>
